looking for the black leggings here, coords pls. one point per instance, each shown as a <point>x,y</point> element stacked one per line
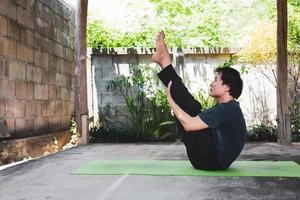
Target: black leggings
<point>200,145</point>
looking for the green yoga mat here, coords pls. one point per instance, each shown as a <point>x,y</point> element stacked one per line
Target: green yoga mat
<point>184,168</point>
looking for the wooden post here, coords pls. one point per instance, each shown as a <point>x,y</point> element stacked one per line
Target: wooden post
<point>283,117</point>
<point>81,109</point>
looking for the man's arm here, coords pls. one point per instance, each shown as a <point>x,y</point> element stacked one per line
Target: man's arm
<point>189,123</point>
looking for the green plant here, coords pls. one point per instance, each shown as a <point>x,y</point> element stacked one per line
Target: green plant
<point>165,132</point>
<point>196,23</point>
<point>190,23</point>
<point>206,101</point>
<point>72,131</point>
<point>228,63</point>
<point>133,89</point>
<point>72,128</point>
<point>99,36</point>
<point>106,129</point>
<point>148,113</point>
<point>261,132</point>
<point>295,121</point>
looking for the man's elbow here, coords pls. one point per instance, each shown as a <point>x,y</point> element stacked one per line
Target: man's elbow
<point>187,128</point>
<point>193,125</point>
<point>184,122</point>
<point>189,123</point>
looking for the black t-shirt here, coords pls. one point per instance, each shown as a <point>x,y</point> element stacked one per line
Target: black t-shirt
<point>227,121</point>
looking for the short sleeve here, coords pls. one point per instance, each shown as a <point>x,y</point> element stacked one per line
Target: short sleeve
<point>217,115</point>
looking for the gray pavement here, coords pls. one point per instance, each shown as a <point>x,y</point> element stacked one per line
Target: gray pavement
<point>49,177</point>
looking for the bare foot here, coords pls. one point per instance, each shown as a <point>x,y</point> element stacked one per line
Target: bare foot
<point>161,56</point>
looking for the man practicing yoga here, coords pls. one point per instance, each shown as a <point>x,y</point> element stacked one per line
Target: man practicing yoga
<point>213,138</point>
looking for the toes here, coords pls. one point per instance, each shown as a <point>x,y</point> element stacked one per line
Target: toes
<point>163,34</point>
<point>157,37</point>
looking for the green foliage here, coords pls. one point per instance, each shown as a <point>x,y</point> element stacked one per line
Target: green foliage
<point>98,36</point>
<point>105,129</point>
<point>161,133</point>
<point>72,128</point>
<point>190,23</point>
<point>228,63</point>
<point>262,132</point>
<point>186,24</point>
<point>294,26</point>
<point>196,23</point>
<point>112,135</point>
<point>72,131</point>
<point>148,114</point>
<point>295,120</point>
<point>205,101</point>
<point>294,64</point>
<point>260,50</point>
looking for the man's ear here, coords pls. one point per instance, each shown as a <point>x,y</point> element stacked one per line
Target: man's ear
<point>227,88</point>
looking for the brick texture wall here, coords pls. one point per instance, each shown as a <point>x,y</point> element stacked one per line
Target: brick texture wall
<point>36,66</point>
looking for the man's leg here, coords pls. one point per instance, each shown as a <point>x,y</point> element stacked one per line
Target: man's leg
<point>205,151</point>
<point>179,92</point>
<point>182,97</point>
<point>187,102</point>
<point>200,145</point>
<point>194,141</point>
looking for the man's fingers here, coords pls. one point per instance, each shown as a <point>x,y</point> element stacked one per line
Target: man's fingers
<point>169,87</point>
<point>169,96</point>
<point>162,37</point>
<point>163,34</point>
<point>157,38</point>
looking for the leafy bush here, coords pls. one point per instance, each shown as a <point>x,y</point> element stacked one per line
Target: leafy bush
<point>98,36</point>
<point>106,130</point>
<point>295,121</point>
<point>205,101</point>
<point>266,133</point>
<point>112,135</point>
<point>195,24</point>
<point>262,132</point>
<point>148,113</point>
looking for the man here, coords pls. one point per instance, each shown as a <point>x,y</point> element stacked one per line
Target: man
<point>213,138</point>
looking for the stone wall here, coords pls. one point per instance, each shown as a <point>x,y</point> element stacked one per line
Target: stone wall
<point>36,66</point>
<point>196,66</point>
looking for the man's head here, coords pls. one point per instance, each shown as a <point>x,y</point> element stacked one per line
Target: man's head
<point>227,80</point>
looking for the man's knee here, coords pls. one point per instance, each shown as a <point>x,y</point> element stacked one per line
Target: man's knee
<point>192,108</point>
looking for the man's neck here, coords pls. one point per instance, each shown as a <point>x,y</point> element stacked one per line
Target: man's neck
<point>224,99</point>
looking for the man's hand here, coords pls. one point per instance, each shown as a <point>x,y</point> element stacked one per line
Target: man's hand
<point>189,123</point>
<point>161,56</point>
<point>169,96</point>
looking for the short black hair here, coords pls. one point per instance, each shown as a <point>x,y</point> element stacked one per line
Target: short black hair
<point>232,78</point>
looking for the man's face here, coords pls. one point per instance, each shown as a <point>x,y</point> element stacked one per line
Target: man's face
<point>217,88</point>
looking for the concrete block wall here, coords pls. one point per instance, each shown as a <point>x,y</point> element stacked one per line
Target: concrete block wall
<point>195,65</point>
<point>107,64</point>
<point>36,66</point>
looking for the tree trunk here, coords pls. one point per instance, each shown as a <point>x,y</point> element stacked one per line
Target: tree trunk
<point>283,117</point>
<point>81,110</point>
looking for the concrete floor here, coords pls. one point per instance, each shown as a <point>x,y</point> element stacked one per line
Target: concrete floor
<point>49,177</point>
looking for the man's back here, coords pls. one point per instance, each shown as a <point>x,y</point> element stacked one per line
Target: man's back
<point>228,124</point>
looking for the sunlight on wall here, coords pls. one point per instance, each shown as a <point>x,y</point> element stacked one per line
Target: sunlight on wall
<point>122,69</point>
